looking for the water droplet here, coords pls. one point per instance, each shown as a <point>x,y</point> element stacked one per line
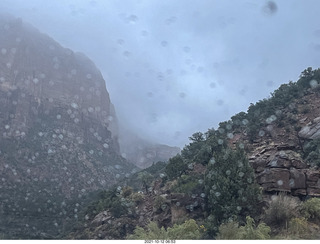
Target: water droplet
<point>212,161</point>
<point>202,195</point>
<point>230,135</point>
<point>7,127</point>
<point>74,105</point>
<point>280,182</point>
<point>58,116</point>
<point>133,19</point>
<point>89,76</point>
<point>241,174</point>
<point>4,51</point>
<point>144,33</point>
<point>127,54</point>
<point>313,83</point>
<point>164,43</point>
<point>177,204</point>
<point>218,194</point>
<point>220,141</point>
<point>239,208</point>
<point>245,122</point>
<point>186,49</point>
<point>291,183</point>
<point>105,145</point>
<point>261,133</point>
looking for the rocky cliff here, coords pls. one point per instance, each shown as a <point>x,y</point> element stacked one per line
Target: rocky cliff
<point>279,136</point>
<point>58,129</point>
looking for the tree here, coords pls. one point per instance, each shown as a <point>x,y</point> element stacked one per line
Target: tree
<point>230,187</point>
<point>146,179</point>
<point>175,167</point>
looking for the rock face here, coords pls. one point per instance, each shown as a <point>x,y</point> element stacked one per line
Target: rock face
<point>58,129</point>
<point>143,153</point>
<point>280,168</point>
<point>311,130</point>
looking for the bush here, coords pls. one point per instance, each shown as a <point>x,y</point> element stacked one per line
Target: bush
<point>189,230</point>
<point>231,187</point>
<point>229,231</point>
<point>159,203</point>
<point>187,184</point>
<point>153,232</point>
<point>137,198</point>
<point>311,209</point>
<point>232,231</point>
<point>175,167</point>
<point>281,209</point>
<point>298,226</point>
<point>127,191</point>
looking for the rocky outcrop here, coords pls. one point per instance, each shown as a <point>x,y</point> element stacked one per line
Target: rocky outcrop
<point>311,130</point>
<point>279,168</point>
<point>58,129</point>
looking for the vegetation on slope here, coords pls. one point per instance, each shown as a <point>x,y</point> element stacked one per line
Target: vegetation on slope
<point>216,171</point>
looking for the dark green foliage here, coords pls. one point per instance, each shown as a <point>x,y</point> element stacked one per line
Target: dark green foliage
<point>188,184</point>
<point>146,179</point>
<point>311,209</point>
<point>175,167</point>
<point>189,230</point>
<point>108,200</point>
<point>312,152</point>
<point>281,210</point>
<point>280,99</point>
<point>230,186</point>
<point>232,231</point>
<point>196,151</point>
<point>156,168</point>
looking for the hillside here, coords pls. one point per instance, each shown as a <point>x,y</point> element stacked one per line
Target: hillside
<point>58,138</point>
<point>254,177</point>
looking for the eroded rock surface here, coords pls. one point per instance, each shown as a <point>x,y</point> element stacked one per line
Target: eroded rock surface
<point>57,124</point>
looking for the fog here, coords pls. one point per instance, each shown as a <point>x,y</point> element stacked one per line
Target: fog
<point>173,68</point>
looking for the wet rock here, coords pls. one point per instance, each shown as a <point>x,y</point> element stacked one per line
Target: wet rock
<point>274,179</point>
<point>311,131</point>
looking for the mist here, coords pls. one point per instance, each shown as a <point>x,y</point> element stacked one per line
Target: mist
<point>173,68</point>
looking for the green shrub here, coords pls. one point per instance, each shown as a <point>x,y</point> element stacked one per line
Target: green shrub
<point>231,187</point>
<point>175,167</point>
<point>152,232</point>
<point>311,209</point>
<point>187,184</point>
<point>232,231</point>
<point>159,203</point>
<point>229,231</point>
<point>189,230</point>
<point>298,226</point>
<point>282,208</point>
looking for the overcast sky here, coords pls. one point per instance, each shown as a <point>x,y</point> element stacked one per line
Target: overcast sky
<point>175,67</point>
